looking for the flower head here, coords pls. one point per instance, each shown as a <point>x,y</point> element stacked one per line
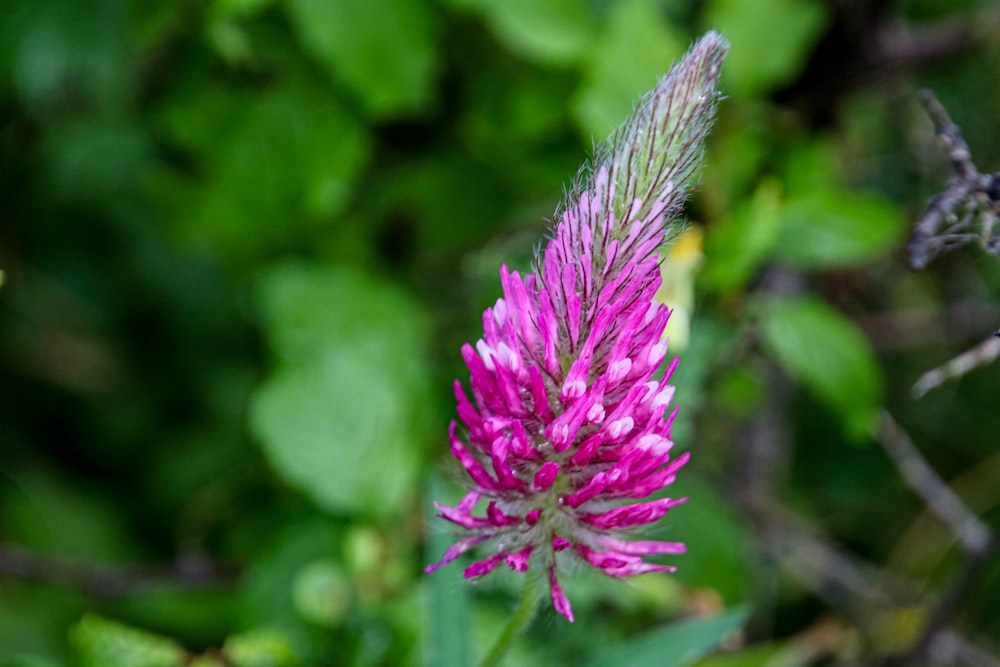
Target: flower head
<point>567,424</point>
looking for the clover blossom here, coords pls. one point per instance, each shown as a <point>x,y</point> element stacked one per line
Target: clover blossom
<point>567,423</point>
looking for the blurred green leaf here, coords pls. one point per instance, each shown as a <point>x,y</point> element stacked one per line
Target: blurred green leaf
<point>99,642</point>
<point>276,166</point>
<point>49,513</point>
<point>827,226</point>
<point>446,641</point>
<point>322,592</point>
<point>63,49</point>
<point>266,589</point>
<point>242,6</point>
<point>776,655</point>
<point>822,349</point>
<point>93,162</point>
<point>676,645</point>
<point>719,545</point>
<point>33,619</point>
<point>384,50</point>
<point>28,661</point>
<point>771,40</point>
<point>196,616</point>
<point>452,200</point>
<point>737,246</point>
<point>810,164</point>
<point>826,229</point>
<point>341,417</point>
<point>552,32</point>
<point>633,50</point>
<point>263,647</point>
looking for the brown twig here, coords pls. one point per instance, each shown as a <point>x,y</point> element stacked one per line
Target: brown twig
<point>189,571</point>
<point>979,544</point>
<point>938,496</point>
<point>979,355</point>
<point>948,220</point>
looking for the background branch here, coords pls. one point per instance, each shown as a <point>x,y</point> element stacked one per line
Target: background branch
<point>940,499</point>
<point>189,571</point>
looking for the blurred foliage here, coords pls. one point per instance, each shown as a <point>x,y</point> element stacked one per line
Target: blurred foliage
<point>241,244</point>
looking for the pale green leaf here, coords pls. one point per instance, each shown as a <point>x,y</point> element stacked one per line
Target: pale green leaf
<point>827,229</point>
<point>261,647</point>
<point>553,32</point>
<point>99,642</point>
<point>786,654</point>
<point>676,645</point>
<point>771,40</point>
<point>322,593</point>
<point>719,546</point>
<point>383,50</point>
<point>341,416</point>
<point>826,352</point>
<point>735,248</point>
<point>275,166</point>
<point>635,47</point>
<point>21,660</point>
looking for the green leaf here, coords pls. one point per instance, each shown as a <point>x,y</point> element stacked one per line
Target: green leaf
<point>262,647</point>
<point>275,166</point>
<point>635,47</point>
<point>827,353</point>
<point>447,640</point>
<point>736,247</point>
<point>340,418</point>
<point>197,615</point>
<point>265,596</point>
<point>98,642</point>
<point>551,32</point>
<point>787,654</point>
<point>27,661</point>
<point>676,645</point>
<point>63,45</point>
<point>52,514</point>
<point>771,40</point>
<point>719,546</point>
<point>322,592</point>
<point>383,50</point>
<point>456,201</point>
<point>338,430</point>
<point>826,229</point>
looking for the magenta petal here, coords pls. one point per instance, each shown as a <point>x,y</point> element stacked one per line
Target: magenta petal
<point>629,516</point>
<point>481,567</point>
<point>461,514</point>
<point>501,464</point>
<point>475,469</point>
<point>455,550</point>
<point>559,600</point>
<point>546,475</point>
<point>497,518</point>
<point>641,547</point>
<point>518,561</point>
<point>619,564</point>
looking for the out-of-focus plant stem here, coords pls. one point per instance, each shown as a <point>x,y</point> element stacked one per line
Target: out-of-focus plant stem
<point>519,621</point>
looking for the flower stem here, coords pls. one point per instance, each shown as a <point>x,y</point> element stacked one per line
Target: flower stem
<point>521,619</point>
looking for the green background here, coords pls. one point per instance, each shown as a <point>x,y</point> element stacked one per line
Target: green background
<point>244,240</point>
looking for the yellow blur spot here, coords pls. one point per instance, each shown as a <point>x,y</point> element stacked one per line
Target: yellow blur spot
<point>677,290</point>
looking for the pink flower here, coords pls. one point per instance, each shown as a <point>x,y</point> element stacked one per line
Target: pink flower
<point>567,425</point>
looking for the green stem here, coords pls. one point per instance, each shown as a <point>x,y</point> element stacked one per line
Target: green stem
<point>521,619</point>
